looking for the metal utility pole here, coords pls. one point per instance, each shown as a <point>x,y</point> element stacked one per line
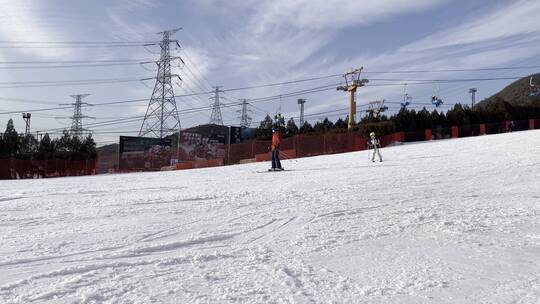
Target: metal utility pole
<point>352,83</point>
<point>301,102</point>
<point>216,118</point>
<point>473,91</point>
<point>26,117</point>
<point>245,119</point>
<point>162,117</point>
<point>76,119</point>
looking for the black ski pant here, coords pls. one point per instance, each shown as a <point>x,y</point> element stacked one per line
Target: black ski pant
<point>275,159</point>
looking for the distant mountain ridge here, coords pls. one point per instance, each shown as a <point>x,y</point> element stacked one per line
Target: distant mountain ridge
<point>516,93</point>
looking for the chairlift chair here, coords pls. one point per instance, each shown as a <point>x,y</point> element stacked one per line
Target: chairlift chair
<point>534,88</point>
<point>435,100</point>
<point>405,104</point>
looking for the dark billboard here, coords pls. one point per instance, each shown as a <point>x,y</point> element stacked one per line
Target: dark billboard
<point>144,153</point>
<point>207,142</point>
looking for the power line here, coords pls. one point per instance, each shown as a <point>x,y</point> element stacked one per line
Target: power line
<point>76,61</point>
<point>74,42</point>
<point>187,57</point>
<point>71,44</point>
<point>38,84</point>
<point>412,81</point>
<point>260,99</point>
<point>281,83</point>
<point>141,99</point>
<point>454,70</point>
<point>204,108</point>
<point>33,67</point>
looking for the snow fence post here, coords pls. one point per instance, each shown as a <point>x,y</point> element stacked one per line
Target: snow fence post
<point>531,124</point>
<point>428,134</point>
<point>399,136</point>
<point>455,132</point>
<point>483,129</point>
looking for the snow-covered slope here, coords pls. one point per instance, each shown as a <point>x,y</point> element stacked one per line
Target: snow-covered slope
<point>454,221</point>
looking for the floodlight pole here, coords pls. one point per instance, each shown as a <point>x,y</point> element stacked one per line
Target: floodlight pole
<point>473,91</point>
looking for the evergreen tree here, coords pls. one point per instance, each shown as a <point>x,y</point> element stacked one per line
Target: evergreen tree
<point>46,147</point>
<point>306,128</point>
<point>341,124</point>
<point>323,126</point>
<point>28,145</point>
<point>327,124</point>
<point>63,144</point>
<point>74,148</point>
<point>88,148</point>
<point>291,128</point>
<point>456,116</point>
<point>10,140</point>
<point>265,128</point>
<point>423,120</point>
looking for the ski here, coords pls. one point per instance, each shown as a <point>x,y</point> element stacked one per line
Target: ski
<point>270,171</point>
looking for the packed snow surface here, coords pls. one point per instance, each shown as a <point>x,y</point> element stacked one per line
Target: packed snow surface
<point>452,221</point>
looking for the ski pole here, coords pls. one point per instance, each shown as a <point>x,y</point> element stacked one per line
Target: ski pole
<point>287,156</point>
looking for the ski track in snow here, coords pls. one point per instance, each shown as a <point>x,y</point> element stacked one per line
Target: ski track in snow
<point>451,221</point>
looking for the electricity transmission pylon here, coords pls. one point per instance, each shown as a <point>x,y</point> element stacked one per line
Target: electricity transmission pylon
<point>162,117</point>
<point>216,117</point>
<point>77,118</point>
<point>245,119</point>
<point>352,83</point>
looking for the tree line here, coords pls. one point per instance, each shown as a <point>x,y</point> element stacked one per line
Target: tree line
<point>67,146</point>
<point>407,120</point>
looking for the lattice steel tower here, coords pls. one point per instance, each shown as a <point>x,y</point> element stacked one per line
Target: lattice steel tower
<point>245,119</point>
<point>162,117</point>
<point>216,117</point>
<point>76,120</point>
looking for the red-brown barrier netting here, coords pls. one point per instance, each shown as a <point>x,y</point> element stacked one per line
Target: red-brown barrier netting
<point>415,136</point>
<point>303,145</point>
<point>331,143</point>
<point>495,127</point>
<point>520,125</point>
<point>11,168</point>
<point>441,133</point>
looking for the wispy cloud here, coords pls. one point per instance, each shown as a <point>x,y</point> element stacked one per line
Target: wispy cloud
<point>331,15</point>
<point>518,18</point>
<point>23,20</point>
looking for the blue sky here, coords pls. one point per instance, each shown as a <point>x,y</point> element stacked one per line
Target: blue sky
<point>242,43</point>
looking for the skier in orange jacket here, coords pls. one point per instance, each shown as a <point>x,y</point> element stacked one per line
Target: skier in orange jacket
<point>276,142</point>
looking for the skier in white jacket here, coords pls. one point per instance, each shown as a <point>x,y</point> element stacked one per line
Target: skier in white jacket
<point>375,144</point>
